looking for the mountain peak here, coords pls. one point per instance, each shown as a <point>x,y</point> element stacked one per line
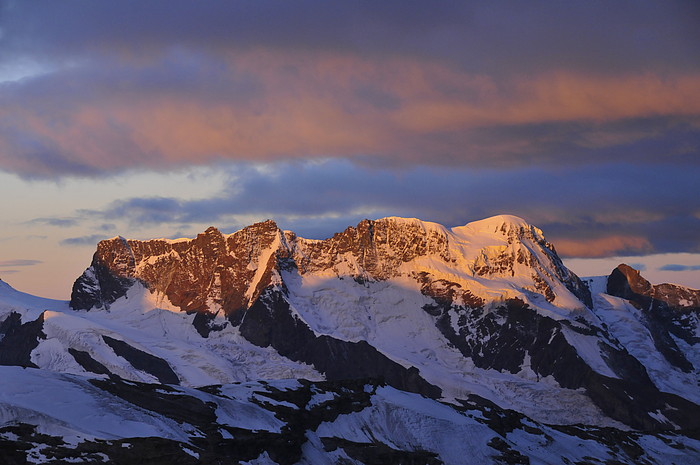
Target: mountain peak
<point>503,225</point>
<point>497,222</point>
<point>625,281</point>
<point>496,258</point>
<point>407,221</point>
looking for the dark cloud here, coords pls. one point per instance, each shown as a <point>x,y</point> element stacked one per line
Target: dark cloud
<point>83,240</point>
<point>608,210</point>
<point>675,267</point>
<point>491,36</point>
<point>151,210</point>
<point>59,222</point>
<point>20,262</point>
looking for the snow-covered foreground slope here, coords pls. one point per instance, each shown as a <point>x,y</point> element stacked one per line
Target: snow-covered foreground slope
<point>71,419</point>
<point>485,311</point>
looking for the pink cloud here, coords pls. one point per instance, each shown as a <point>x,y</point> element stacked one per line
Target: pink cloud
<point>322,105</point>
<point>603,247</point>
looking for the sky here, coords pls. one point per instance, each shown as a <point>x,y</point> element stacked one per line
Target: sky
<point>161,118</point>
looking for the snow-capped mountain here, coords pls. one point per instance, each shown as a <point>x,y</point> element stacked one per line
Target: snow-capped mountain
<point>481,321</point>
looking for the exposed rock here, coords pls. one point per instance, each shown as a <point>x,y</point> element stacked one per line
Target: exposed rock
<point>379,453</point>
<point>626,282</point>
<point>507,454</point>
<point>325,422</point>
<point>143,361</point>
<point>17,340</point>
<point>162,400</point>
<point>204,323</point>
<point>378,247</point>
<point>189,273</point>
<point>99,286</point>
<point>228,272</point>
<point>88,363</point>
<point>269,322</point>
<point>669,310</point>
<point>501,338</point>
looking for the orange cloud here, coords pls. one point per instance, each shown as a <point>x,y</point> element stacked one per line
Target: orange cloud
<point>324,105</point>
<point>557,97</point>
<point>603,247</point>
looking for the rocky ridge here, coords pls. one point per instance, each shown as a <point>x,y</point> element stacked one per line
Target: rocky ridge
<point>216,271</point>
<point>671,313</point>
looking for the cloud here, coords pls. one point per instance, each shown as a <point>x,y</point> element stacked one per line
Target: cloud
<point>676,267</point>
<point>81,241</point>
<point>320,107</point>
<point>389,84</point>
<point>486,36</point>
<point>19,262</point>
<point>59,222</point>
<point>596,211</point>
<point>603,247</point>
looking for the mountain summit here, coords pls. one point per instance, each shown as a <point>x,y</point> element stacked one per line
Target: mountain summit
<point>478,318</point>
<point>497,258</point>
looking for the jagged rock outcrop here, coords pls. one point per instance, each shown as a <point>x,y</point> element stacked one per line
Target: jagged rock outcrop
<point>17,339</point>
<point>628,283</point>
<point>195,275</point>
<point>669,311</point>
<point>372,250</point>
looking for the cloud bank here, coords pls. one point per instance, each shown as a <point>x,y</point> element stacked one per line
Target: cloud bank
<point>119,86</point>
<point>20,262</point>
<point>593,212</point>
<point>81,241</point>
<point>675,267</point>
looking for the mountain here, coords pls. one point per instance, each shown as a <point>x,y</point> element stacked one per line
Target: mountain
<point>477,328</point>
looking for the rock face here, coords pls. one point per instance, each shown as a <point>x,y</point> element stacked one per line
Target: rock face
<point>17,340</point>
<point>195,275</point>
<point>669,312</point>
